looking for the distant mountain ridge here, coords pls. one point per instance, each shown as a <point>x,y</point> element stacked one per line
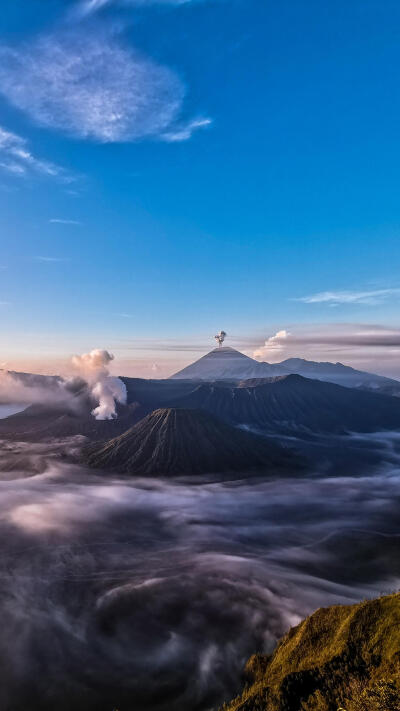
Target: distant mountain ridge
<point>288,404</point>
<point>229,364</point>
<point>292,403</point>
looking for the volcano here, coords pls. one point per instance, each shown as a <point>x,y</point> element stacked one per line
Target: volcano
<point>224,363</point>
<point>229,364</point>
<point>178,441</point>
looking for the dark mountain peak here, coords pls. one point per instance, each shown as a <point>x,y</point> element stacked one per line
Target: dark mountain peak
<point>295,361</point>
<point>295,403</point>
<point>185,441</point>
<point>290,378</point>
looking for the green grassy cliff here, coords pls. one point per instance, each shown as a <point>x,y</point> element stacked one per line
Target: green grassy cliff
<point>341,656</point>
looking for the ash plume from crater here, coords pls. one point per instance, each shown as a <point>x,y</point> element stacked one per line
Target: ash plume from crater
<point>149,594</point>
<point>220,338</point>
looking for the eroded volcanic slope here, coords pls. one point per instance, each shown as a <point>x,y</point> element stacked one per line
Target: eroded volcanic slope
<point>175,441</point>
<point>334,655</point>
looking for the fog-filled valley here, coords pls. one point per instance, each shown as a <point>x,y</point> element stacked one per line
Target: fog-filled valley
<point>148,593</point>
<point>155,534</point>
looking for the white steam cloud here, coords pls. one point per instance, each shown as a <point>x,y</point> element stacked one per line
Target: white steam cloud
<point>107,389</point>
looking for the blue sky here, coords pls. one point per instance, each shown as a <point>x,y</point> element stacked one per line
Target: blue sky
<point>170,169</point>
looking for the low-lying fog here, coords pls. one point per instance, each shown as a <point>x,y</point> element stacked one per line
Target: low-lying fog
<point>148,594</point>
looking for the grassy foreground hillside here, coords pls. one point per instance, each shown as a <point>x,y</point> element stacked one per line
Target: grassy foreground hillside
<point>341,656</point>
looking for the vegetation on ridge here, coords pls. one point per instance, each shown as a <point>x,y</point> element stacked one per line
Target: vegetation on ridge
<point>344,657</point>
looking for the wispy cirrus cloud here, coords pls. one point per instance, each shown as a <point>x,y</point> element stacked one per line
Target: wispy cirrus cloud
<point>17,159</point>
<point>334,298</point>
<point>88,7</point>
<point>96,88</point>
<point>185,131</point>
<point>61,221</point>
<point>50,260</point>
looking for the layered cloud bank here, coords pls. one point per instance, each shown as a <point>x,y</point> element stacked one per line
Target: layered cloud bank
<point>151,595</point>
<point>366,346</point>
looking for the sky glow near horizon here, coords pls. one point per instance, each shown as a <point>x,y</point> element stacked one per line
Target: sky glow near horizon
<point>168,169</point>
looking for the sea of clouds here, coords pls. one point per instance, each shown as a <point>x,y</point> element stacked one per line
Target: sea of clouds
<point>151,594</point>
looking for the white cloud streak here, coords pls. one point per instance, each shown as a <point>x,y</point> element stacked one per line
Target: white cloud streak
<point>59,221</point>
<point>334,298</point>
<point>51,259</point>
<point>185,131</point>
<point>94,88</point>
<point>17,159</point>
<point>88,7</point>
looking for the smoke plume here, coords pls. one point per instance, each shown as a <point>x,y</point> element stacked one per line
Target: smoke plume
<point>107,389</point>
<point>220,337</point>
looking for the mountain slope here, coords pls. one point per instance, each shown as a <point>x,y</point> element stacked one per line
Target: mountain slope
<point>295,403</point>
<point>223,363</point>
<point>44,422</point>
<point>175,441</point>
<point>340,374</point>
<point>287,404</point>
<point>229,364</point>
<point>315,662</point>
